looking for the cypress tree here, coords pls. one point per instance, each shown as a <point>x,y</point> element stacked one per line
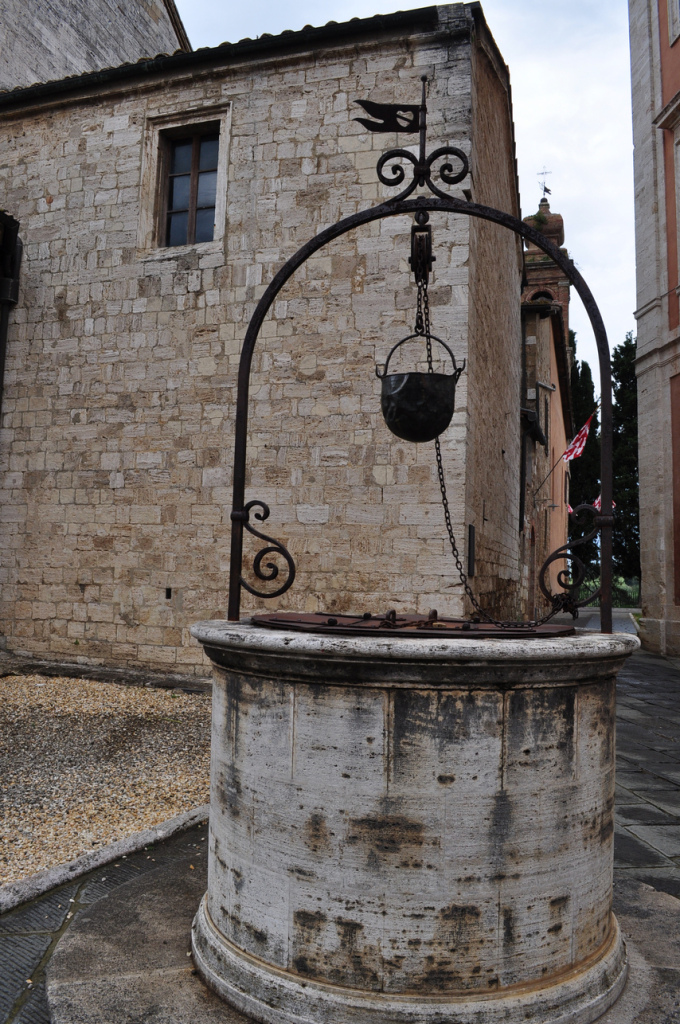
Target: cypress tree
<point>626,541</point>
<point>584,472</point>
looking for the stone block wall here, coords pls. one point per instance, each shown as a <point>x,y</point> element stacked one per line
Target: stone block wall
<point>117,434</point>
<point>41,42</point>
<point>656,134</point>
<point>495,347</point>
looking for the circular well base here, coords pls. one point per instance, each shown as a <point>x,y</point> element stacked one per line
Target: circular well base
<point>274,996</point>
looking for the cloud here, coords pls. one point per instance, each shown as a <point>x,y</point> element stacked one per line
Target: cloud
<point>570,74</point>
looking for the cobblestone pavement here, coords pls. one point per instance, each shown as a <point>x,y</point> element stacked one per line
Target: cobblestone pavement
<point>647,839</point>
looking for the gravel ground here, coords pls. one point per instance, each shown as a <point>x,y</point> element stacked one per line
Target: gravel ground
<point>84,763</point>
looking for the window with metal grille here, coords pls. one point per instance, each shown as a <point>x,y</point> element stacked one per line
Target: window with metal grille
<point>191,189</point>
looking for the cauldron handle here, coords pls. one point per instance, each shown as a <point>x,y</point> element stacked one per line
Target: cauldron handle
<point>456,371</point>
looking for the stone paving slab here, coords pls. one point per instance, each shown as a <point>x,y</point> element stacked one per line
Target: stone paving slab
<point>46,915</point>
<point>29,934</point>
<point>128,956</point>
<point>650,922</point>
<point>640,814</point>
<point>632,852</point>
<point>647,838</point>
<point>18,955</point>
<point>663,837</point>
<point>34,1008</point>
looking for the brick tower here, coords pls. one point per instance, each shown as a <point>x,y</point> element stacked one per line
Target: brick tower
<point>545,280</point>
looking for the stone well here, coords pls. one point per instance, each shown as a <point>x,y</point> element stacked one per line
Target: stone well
<point>411,831</point>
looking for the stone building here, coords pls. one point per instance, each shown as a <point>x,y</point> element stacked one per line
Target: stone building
<point>546,412</point>
<point>655,64</point>
<point>117,434</point>
<point>43,41</point>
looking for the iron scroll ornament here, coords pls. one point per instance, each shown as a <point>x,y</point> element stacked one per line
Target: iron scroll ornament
<point>422,170</point>
<point>571,579</point>
<point>438,201</point>
<point>275,547</point>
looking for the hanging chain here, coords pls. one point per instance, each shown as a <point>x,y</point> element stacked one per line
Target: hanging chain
<point>459,565</point>
<point>422,324</point>
<point>422,327</point>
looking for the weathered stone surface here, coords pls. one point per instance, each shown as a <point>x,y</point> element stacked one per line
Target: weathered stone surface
<point>55,38</point>
<point>658,345</point>
<point>124,958</point>
<point>117,434</point>
<point>403,817</point>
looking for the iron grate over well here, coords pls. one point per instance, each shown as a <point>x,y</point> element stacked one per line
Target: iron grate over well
<point>390,624</point>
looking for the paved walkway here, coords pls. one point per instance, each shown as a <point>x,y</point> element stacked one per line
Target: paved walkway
<point>29,934</point>
<point>647,838</point>
<point>589,619</point>
<point>647,841</point>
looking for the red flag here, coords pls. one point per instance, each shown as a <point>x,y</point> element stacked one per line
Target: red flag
<point>597,504</point>
<point>578,444</point>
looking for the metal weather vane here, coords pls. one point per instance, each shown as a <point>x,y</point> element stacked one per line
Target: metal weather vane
<point>544,188</point>
<point>391,117</point>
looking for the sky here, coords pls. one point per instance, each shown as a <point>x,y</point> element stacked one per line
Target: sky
<point>570,75</point>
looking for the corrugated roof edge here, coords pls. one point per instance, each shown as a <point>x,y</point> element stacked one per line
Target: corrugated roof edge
<point>424,18</point>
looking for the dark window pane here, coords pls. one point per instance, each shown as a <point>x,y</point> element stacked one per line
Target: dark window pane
<point>207,187</point>
<point>180,189</point>
<point>208,155</point>
<point>205,225</point>
<point>191,184</point>
<point>181,157</point>
<point>177,228</point>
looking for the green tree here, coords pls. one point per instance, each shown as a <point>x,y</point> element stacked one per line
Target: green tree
<point>584,472</point>
<point>627,512</point>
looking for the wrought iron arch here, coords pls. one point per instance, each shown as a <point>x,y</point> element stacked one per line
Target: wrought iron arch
<point>438,201</point>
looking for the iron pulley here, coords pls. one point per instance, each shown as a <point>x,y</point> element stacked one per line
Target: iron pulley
<point>421,258</point>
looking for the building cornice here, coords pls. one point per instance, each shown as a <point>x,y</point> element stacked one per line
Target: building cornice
<point>658,356</point>
<point>648,307</point>
<point>670,115</point>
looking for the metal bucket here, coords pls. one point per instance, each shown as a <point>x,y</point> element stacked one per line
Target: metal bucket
<point>418,406</point>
